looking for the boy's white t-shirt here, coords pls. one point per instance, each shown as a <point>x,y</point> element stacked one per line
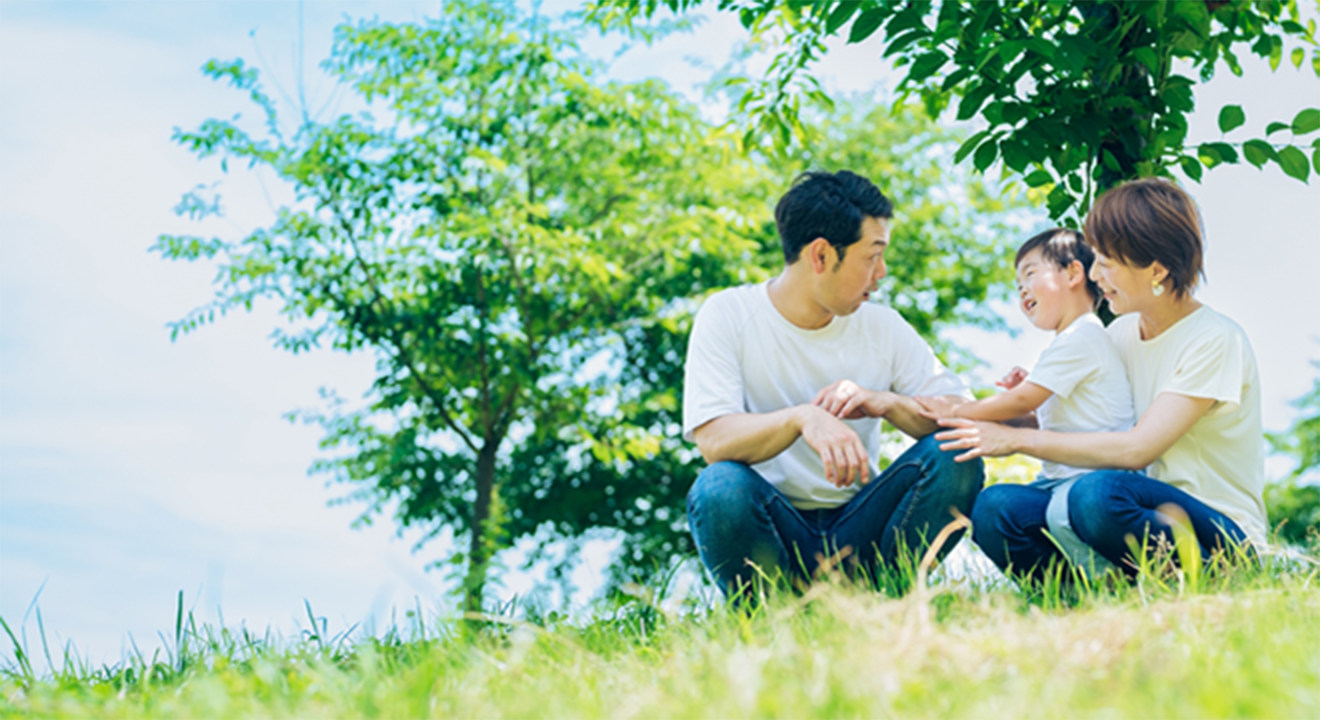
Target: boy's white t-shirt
<point>1090,386</point>
<point>1221,459</point>
<point>745,357</point>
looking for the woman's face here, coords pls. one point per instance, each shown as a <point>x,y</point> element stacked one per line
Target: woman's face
<point>1128,289</point>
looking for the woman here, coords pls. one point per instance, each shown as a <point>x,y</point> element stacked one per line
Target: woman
<point>1197,447</point>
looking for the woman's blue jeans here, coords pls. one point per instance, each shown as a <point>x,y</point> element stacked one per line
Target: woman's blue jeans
<point>1106,508</point>
<point>744,527</point>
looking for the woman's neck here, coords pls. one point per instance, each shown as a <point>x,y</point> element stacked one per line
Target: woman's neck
<point>1164,315</point>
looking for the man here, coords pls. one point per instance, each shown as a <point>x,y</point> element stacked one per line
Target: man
<point>785,386</point>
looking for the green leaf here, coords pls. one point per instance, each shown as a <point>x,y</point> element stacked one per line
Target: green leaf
<point>1230,117</point>
<point>1110,161</point>
<point>1294,164</point>
<point>1306,121</point>
<point>985,155</point>
<point>866,24</point>
<point>1258,152</point>
<point>1038,178</point>
<point>1191,167</point>
<point>973,100</point>
<point>841,15</point>
<point>925,66</point>
<point>1058,201</point>
<point>1147,57</point>
<point>1015,154</point>
<point>1298,57</point>
<point>1275,127</point>
<point>1315,160</point>
<point>1219,152</point>
<point>969,145</point>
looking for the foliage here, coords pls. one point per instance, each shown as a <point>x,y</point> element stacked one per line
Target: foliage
<point>514,240</point>
<point>521,245</point>
<point>1243,646</point>
<point>1295,507</point>
<point>1076,96</point>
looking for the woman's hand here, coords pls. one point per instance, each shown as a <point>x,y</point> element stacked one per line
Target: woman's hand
<point>977,439</point>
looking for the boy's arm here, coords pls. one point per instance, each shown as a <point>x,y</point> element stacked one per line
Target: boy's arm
<point>1004,407</point>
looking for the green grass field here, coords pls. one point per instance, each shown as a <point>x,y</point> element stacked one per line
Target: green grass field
<point>1238,644</point>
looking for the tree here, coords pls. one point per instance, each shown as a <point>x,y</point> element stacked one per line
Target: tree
<point>515,241</point>
<point>1076,95</point>
<point>521,245</point>
<point>1295,507</point>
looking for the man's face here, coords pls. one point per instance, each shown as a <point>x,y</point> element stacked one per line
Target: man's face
<point>846,285</point>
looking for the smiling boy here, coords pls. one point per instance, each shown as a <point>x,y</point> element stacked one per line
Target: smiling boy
<point>785,385</point>
<point>1079,383</point>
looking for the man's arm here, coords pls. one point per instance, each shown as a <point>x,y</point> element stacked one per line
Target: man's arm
<point>846,399</point>
<point>754,437</point>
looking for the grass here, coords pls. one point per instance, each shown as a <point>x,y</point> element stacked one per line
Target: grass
<point>1223,644</point>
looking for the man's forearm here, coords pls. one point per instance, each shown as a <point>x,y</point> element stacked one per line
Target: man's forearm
<point>905,414</point>
<point>749,437</point>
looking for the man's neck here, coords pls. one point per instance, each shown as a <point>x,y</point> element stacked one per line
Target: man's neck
<point>792,296</point>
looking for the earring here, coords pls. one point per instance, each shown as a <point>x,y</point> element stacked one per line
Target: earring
<point>1157,288</point>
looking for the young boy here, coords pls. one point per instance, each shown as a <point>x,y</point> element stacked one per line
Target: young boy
<point>1079,383</point>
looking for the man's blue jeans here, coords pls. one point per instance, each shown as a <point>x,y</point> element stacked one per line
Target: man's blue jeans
<point>739,519</point>
<point>1105,507</point>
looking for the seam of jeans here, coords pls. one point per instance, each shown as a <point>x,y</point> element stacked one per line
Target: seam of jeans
<point>892,469</point>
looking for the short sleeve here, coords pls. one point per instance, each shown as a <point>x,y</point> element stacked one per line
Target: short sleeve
<point>1211,368</point>
<point>1064,365</point>
<point>712,374</point>
<point>916,369</point>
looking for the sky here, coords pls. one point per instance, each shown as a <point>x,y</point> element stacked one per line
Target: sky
<point>133,467</point>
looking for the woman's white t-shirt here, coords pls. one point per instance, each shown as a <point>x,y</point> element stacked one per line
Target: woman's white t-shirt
<point>1090,386</point>
<point>745,357</point>
<point>1221,459</point>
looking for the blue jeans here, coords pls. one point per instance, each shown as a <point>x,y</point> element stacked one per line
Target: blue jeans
<point>1105,507</point>
<point>739,519</point>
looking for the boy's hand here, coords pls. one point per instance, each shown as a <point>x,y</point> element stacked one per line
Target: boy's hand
<point>1013,378</point>
<point>934,408</point>
<point>846,399</point>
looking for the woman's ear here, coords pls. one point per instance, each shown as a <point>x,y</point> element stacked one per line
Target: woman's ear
<point>1158,273</point>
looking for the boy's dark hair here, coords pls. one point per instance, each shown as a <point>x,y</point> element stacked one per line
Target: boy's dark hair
<point>1062,246</point>
<point>828,205</point>
<point>1146,220</point>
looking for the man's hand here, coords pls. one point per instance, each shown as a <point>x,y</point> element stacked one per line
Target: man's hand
<point>840,450</point>
<point>976,439</point>
<point>1013,378</point>
<point>936,408</point>
<point>846,399</point>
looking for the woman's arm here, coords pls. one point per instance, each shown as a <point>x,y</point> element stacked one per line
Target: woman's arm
<point>1166,420</point>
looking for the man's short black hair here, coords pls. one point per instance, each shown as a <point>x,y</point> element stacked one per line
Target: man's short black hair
<point>1062,246</point>
<point>828,205</point>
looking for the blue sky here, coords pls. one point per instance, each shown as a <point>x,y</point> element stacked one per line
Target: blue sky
<point>132,467</point>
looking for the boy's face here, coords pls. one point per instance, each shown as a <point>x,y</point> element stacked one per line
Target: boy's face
<point>1043,289</point>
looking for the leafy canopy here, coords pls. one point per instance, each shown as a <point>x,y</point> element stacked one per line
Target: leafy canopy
<point>1076,96</point>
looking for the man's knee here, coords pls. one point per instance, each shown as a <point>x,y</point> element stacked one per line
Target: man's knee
<point>724,485</point>
<point>963,478</point>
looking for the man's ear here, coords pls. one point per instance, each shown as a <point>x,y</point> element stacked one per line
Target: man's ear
<point>817,252</point>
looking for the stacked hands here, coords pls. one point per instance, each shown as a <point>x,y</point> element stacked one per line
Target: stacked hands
<point>975,438</point>
<point>840,450</point>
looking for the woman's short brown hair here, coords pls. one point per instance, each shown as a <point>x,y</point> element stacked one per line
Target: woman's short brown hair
<point>1146,220</point>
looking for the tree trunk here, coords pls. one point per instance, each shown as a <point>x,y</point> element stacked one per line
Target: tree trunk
<point>481,545</point>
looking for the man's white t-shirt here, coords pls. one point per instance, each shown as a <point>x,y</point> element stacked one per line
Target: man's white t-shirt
<point>1221,459</point>
<point>1090,386</point>
<point>745,357</point>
